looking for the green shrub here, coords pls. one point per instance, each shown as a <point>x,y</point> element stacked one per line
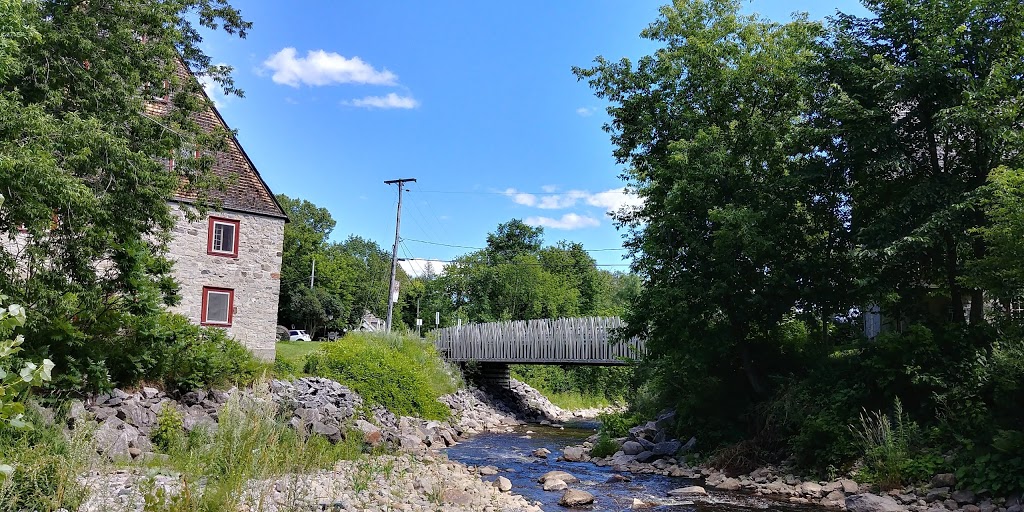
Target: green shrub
<point>17,379</point>
<point>183,356</point>
<point>999,467</point>
<point>617,424</point>
<point>406,375</point>
<point>47,463</point>
<point>170,429</point>
<point>604,446</point>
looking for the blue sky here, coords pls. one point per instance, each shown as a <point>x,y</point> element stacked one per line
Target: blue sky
<point>474,99</point>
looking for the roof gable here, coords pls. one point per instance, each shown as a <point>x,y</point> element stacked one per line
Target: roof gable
<point>244,189</point>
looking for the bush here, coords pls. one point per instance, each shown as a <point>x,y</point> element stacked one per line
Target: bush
<point>617,424</point>
<point>405,375</point>
<point>183,356</point>
<point>604,446</point>
<point>577,387</point>
<point>170,429</point>
<point>47,463</point>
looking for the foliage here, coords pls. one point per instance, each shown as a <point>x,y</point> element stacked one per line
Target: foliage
<point>1000,468</point>
<point>351,276</point>
<point>796,174</point>
<point>183,356</point>
<point>83,164</point>
<point>15,382</point>
<point>403,374</point>
<point>249,443</point>
<point>48,463</point>
<point>617,424</point>
<point>291,356</point>
<point>604,446</point>
<point>517,278</point>
<point>577,387</point>
<point>886,444</point>
<point>169,430</point>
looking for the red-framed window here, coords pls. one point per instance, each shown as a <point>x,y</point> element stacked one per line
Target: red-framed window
<point>222,239</point>
<point>218,306</point>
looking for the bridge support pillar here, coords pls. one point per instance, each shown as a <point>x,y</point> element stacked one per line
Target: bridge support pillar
<point>493,375</point>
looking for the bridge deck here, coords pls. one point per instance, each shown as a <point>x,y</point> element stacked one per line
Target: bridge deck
<point>582,341</point>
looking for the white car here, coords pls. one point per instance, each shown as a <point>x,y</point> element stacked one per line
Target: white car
<point>298,336</point>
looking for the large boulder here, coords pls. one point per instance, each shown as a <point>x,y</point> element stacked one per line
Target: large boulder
<point>576,498</point>
<point>868,502</point>
<point>554,484</point>
<point>632,448</point>
<point>693,490</point>
<point>503,484</point>
<point>573,453</point>
<point>667,448</point>
<point>558,475</point>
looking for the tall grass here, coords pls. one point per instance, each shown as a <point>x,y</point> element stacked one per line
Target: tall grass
<point>249,443</point>
<point>886,445</point>
<point>46,465</point>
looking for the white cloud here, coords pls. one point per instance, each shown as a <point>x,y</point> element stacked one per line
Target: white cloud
<point>611,200</point>
<point>585,111</point>
<point>522,198</point>
<point>417,267</point>
<point>392,100</point>
<point>614,199</point>
<point>324,68</point>
<point>567,221</point>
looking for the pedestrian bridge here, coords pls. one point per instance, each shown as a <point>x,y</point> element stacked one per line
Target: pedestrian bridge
<point>575,341</point>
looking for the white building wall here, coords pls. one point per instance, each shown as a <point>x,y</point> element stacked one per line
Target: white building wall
<point>255,275</point>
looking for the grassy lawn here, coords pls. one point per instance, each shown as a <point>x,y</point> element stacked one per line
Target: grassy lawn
<point>295,351</point>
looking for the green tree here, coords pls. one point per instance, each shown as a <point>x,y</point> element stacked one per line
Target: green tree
<point>81,162</point>
<point>734,228</point>
<point>925,102</point>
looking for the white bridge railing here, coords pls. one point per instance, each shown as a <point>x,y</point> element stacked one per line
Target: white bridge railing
<point>561,341</point>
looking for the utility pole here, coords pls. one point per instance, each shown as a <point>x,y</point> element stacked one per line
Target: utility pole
<point>312,274</point>
<point>393,288</point>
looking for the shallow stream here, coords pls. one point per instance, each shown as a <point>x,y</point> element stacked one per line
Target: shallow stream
<point>511,454</point>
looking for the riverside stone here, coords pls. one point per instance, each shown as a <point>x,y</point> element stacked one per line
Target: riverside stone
<point>503,484</point>
<point>868,502</point>
<point>573,453</point>
<point>576,498</point>
<point>554,484</point>
<point>693,490</point>
<point>944,480</point>
<point>632,448</point>
<point>558,475</point>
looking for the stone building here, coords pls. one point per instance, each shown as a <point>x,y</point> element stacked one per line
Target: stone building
<point>228,265</point>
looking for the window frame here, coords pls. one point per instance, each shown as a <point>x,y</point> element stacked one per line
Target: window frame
<point>209,237</point>
<point>207,290</point>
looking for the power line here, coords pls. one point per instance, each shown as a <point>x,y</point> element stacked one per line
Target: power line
<point>480,248</point>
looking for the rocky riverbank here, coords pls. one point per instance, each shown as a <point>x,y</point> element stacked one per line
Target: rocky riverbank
<point>415,478</point>
<point>403,482</point>
<point>648,449</point>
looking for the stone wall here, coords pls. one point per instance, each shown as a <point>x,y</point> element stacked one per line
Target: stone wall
<point>255,275</point>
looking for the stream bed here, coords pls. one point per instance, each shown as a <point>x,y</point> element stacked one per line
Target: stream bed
<point>511,454</point>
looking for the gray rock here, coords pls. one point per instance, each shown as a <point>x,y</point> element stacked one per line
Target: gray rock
<point>503,484</point>
<point>542,453</point>
<point>937,494</point>
<point>693,490</point>
<point>576,498</point>
<point>944,480</point>
<point>149,392</point>
<point>667,448</point>
<point>331,432</point>
<point>558,475</point>
<point>689,446</point>
<point>487,470</point>
<point>646,456</point>
<point>632,448</point>
<point>811,489</point>
<point>849,486</point>
<point>868,502</point>
<point>573,453</point>
<point>729,484</point>
<point>554,484</point>
<point>963,496</point>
